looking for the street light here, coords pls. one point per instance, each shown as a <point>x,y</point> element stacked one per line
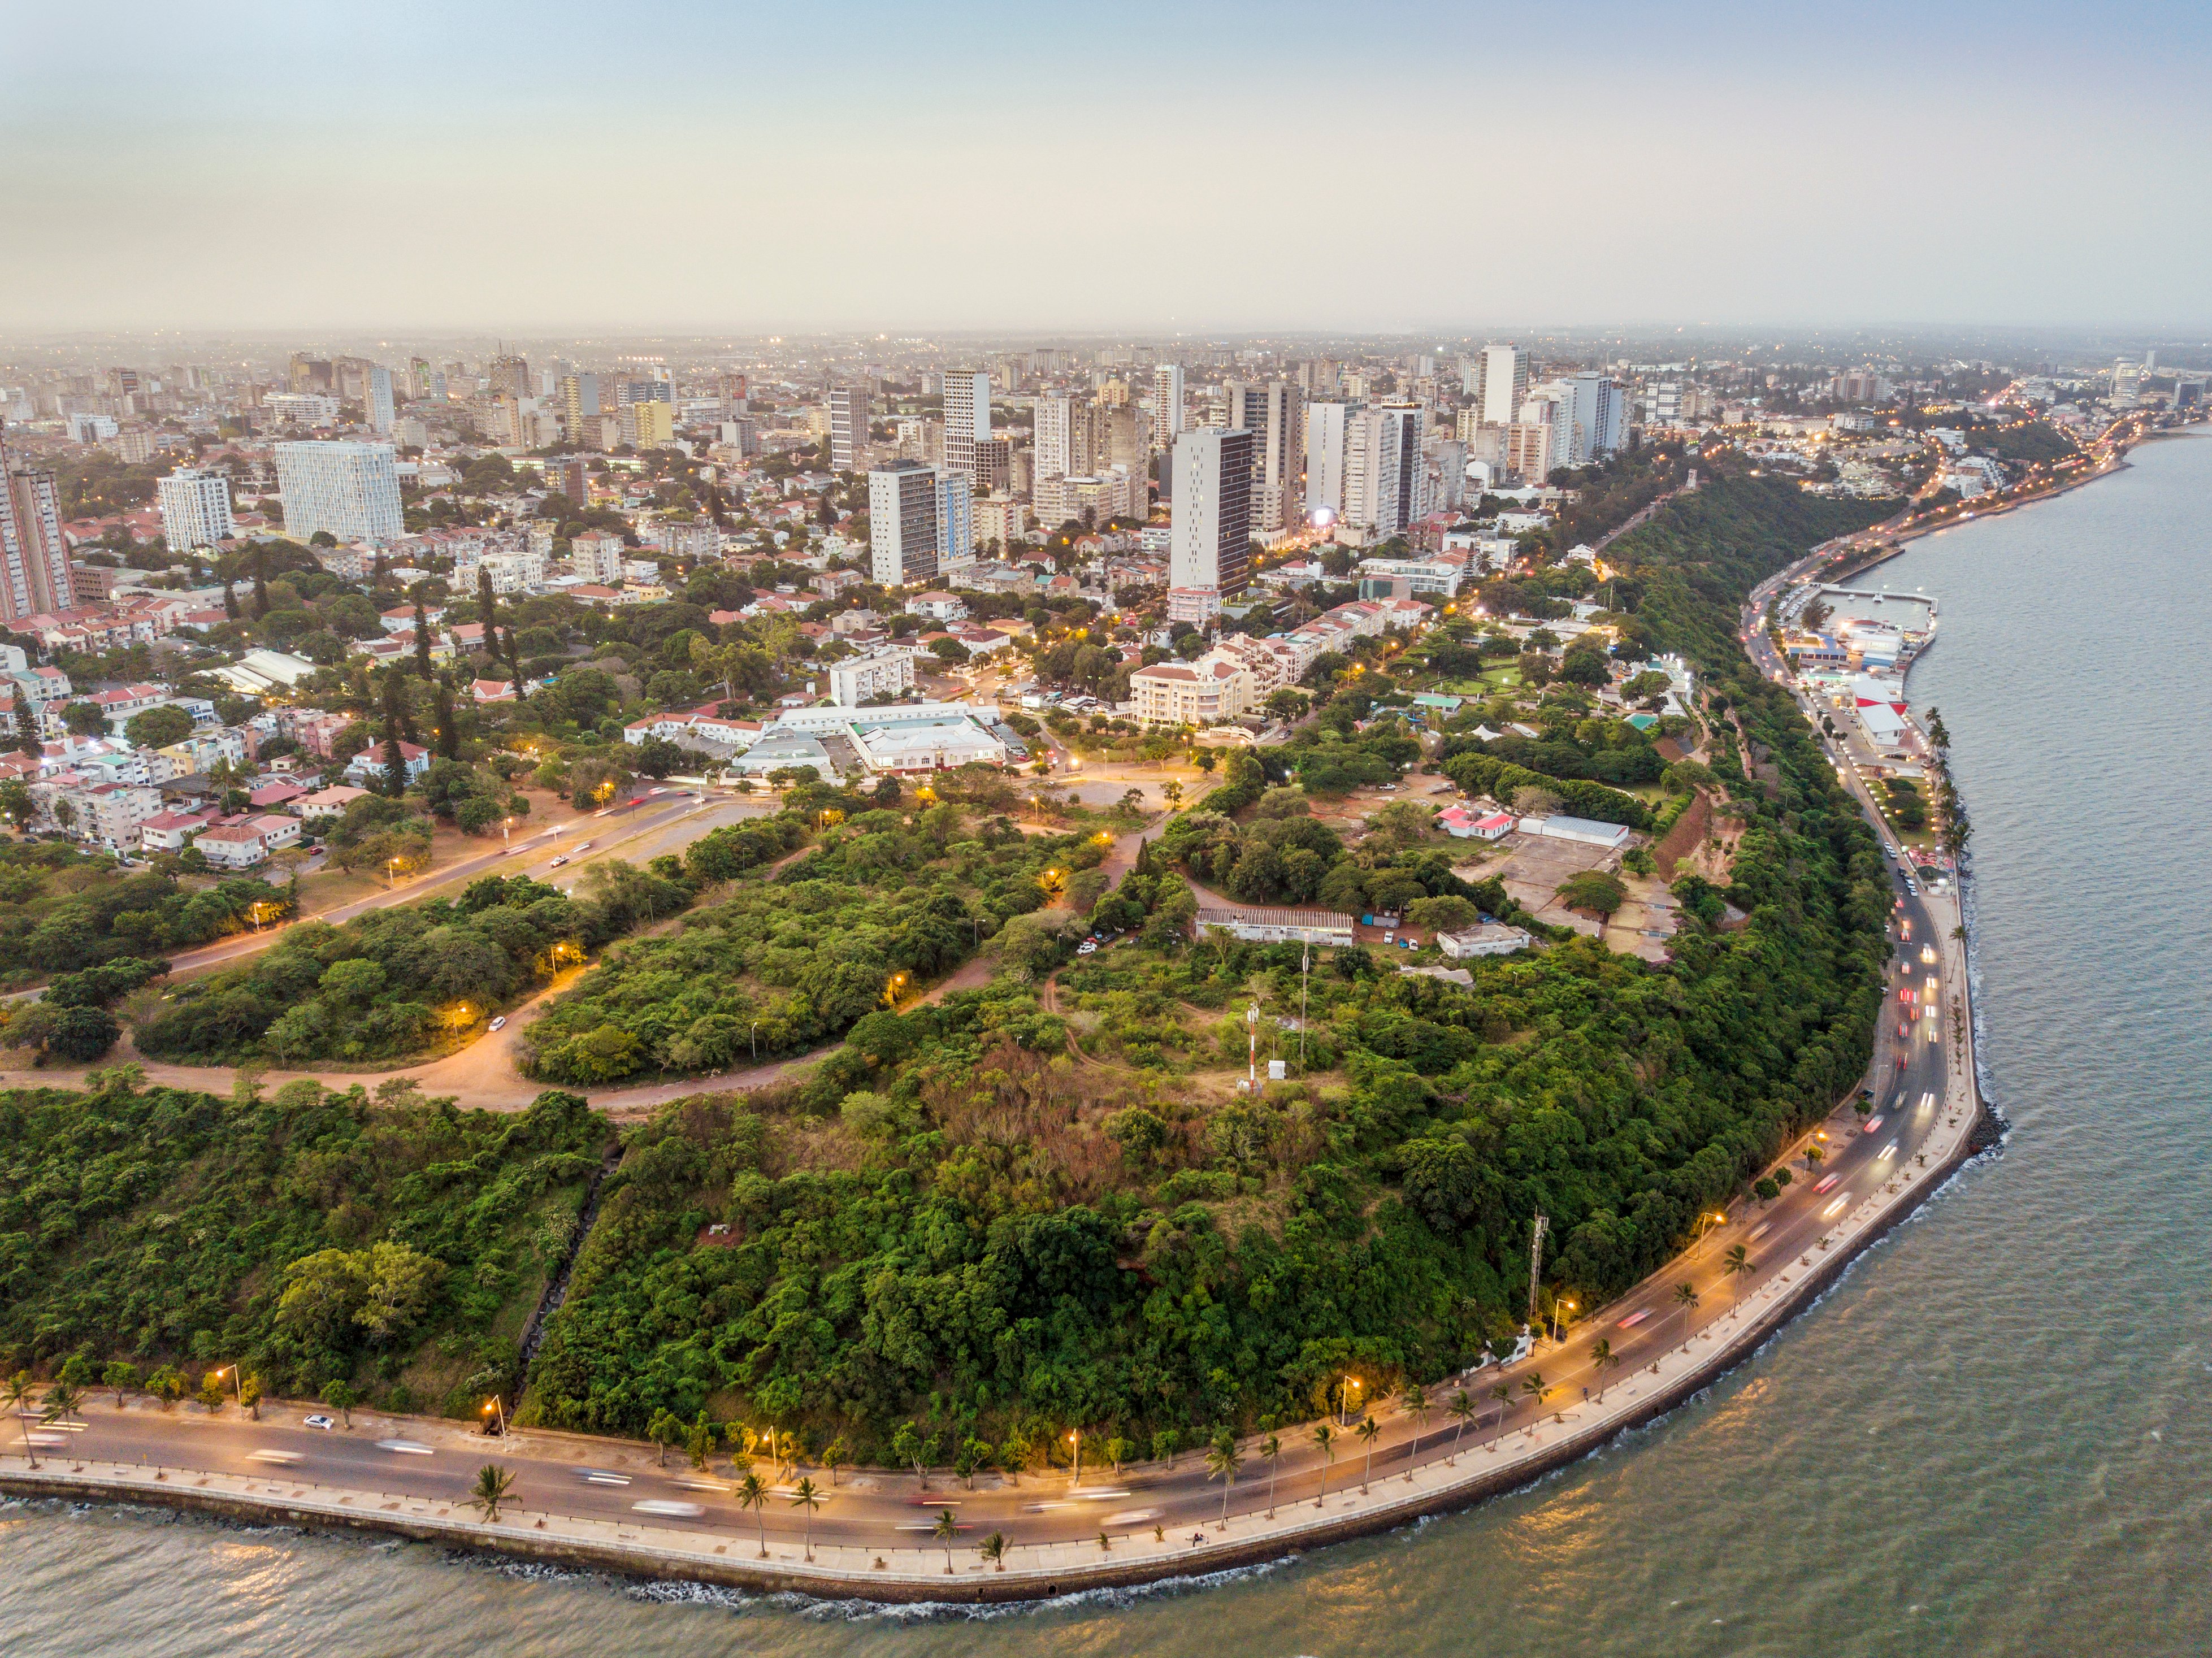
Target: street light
<point>1351,1387</point>
<point>1075,1439</point>
<point>498,1411</point>
<point>1556,1328</point>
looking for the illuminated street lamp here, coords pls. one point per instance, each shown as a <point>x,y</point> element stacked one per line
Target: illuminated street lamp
<point>1351,1387</point>
<point>1075,1441</point>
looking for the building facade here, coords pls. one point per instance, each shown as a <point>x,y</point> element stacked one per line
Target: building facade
<point>349,490</point>
<point>1212,541</point>
<point>195,508</point>
<point>35,568</point>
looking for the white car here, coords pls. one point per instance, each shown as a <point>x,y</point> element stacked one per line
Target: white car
<point>1086,948</point>
<point>319,1420</point>
<point>500,1024</point>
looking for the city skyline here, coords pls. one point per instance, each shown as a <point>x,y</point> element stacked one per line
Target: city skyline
<point>1734,167</point>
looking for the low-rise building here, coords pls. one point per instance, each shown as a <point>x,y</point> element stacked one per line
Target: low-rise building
<point>1490,938</point>
<point>1215,688</point>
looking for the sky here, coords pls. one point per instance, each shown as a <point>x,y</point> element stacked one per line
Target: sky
<point>1367,165</point>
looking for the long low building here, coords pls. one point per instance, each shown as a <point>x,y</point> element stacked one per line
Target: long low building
<point>1279,927</point>
<point>1585,831</point>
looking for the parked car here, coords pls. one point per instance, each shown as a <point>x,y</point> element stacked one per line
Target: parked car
<point>319,1421</point>
<point>500,1024</point>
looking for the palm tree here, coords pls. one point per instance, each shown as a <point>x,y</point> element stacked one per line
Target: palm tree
<point>946,1528</point>
<point>16,1391</point>
<point>752,1493</point>
<point>1685,1297</point>
<point>1604,1358</point>
<point>1271,1448</point>
<point>1735,1263</point>
<point>993,1549</point>
<point>1324,1437</point>
<point>63,1402</point>
<point>806,1497</point>
<point>1417,1406</point>
<point>1460,1408</point>
<point>493,1484</point>
<point>1368,1429</point>
<point>1533,1384</point>
<point>1222,1461</point>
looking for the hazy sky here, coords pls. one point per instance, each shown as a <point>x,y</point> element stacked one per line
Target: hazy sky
<point>1365,165</point>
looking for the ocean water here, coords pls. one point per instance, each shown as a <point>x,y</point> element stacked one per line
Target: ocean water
<point>1992,1438</point>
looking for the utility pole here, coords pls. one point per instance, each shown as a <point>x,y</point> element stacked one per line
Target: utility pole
<point>1251,1030</point>
<point>1306,962</point>
<point>1535,1261</point>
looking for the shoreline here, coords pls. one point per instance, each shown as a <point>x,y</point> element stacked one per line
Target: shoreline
<point>1971,1126</point>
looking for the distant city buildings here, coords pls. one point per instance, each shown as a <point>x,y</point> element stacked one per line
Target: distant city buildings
<point>348,490</point>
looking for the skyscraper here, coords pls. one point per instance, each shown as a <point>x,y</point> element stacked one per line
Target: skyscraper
<point>376,393</point>
<point>905,504</point>
<point>1385,482</point>
<point>195,508</point>
<point>508,374</point>
<point>579,402</point>
<point>566,475</point>
<point>1270,413</point>
<point>1325,439</point>
<point>1504,383</point>
<point>35,570</point>
<point>1210,544</point>
<point>1167,404</point>
<point>848,426</point>
<point>1053,435</point>
<point>967,418</point>
<point>351,490</point>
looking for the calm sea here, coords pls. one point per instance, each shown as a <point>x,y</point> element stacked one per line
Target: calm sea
<point>1992,1438</point>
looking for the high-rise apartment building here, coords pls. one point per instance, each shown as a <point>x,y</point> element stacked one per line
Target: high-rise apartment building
<point>418,378</point>
<point>1053,438</point>
<point>308,374</point>
<point>567,475</point>
<point>905,503</point>
<point>994,466</point>
<point>1528,450</point>
<point>1270,413</point>
<point>579,402</point>
<point>508,374</point>
<point>376,397</point>
<point>1385,481</point>
<point>1504,383</point>
<point>195,508</point>
<point>1167,404</point>
<point>967,418</point>
<point>349,489</point>
<point>1210,545</point>
<point>848,426</point>
<point>34,568</point>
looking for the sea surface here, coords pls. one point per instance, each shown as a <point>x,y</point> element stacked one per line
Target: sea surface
<point>1994,1437</point>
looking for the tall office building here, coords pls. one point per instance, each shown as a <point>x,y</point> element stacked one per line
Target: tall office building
<point>967,418</point>
<point>905,503</point>
<point>1385,482</point>
<point>1528,450</point>
<point>1504,383</point>
<point>418,379</point>
<point>1270,413</point>
<point>1167,404</point>
<point>848,426</point>
<point>579,402</point>
<point>376,394</point>
<point>349,489</point>
<point>956,520</point>
<point>1210,544</point>
<point>34,568</point>
<point>195,508</point>
<point>1325,439</point>
<point>508,374</point>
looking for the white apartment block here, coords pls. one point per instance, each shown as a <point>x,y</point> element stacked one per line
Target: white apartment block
<point>857,678</point>
<point>195,508</point>
<point>1214,689</point>
<point>348,490</point>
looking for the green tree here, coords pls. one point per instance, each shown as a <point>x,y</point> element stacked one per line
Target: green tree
<point>122,1376</point>
<point>753,1493</point>
<point>63,1401</point>
<point>946,1528</point>
<point>1368,1430</point>
<point>1223,1460</point>
<point>1686,1299</point>
<point>1271,1448</point>
<point>15,1392</point>
<point>211,1391</point>
<point>157,728</point>
<point>249,1396</point>
<point>1462,1410</point>
<point>1324,1439</point>
<point>993,1549</point>
<point>17,803</point>
<point>805,1498</point>
<point>834,1455</point>
<point>665,1429</point>
<point>1603,1359</point>
<point>1735,1264</point>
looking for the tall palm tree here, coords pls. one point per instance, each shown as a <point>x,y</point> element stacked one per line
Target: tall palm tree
<point>946,1528</point>
<point>1604,1358</point>
<point>1271,1448</point>
<point>1417,1406</point>
<point>993,1549</point>
<point>1503,1393</point>
<point>1685,1297</point>
<point>752,1493</point>
<point>1533,1385</point>
<point>1460,1408</point>
<point>1369,1429</point>
<point>1735,1263</point>
<point>16,1391</point>
<point>1223,1460</point>
<point>806,1497</point>
<point>493,1484</point>
<point>1324,1437</point>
